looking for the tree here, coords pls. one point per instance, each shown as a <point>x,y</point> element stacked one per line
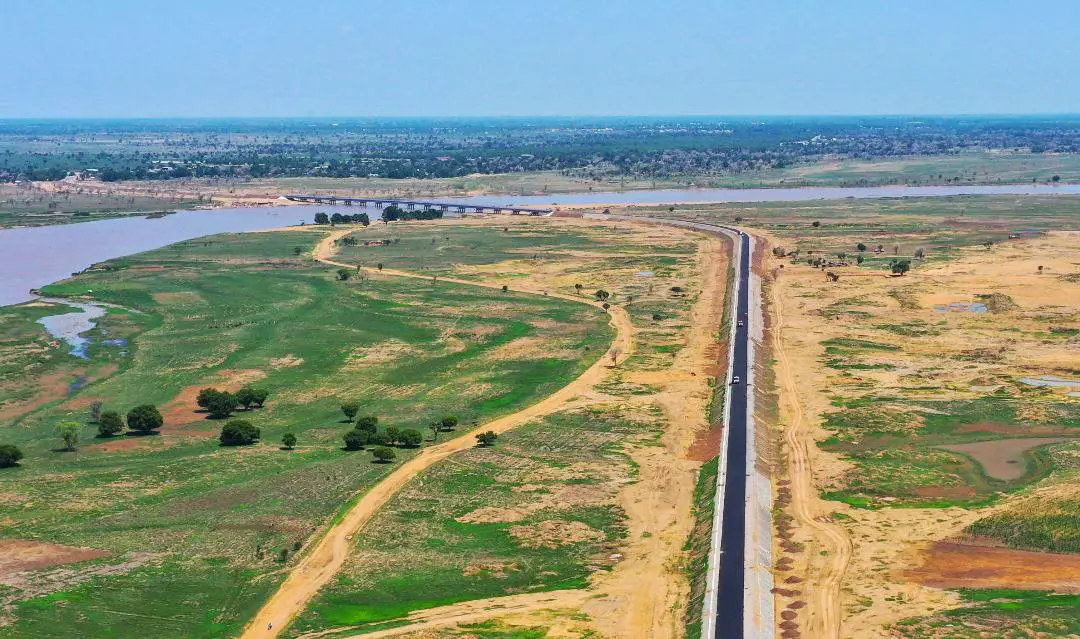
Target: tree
<point>356,439</point>
<point>239,432</point>
<point>343,274</point>
<point>860,247</point>
<point>245,397</point>
<point>221,404</point>
<point>391,213</point>
<point>1055,179</point>
<point>369,424</point>
<point>899,267</point>
<point>487,439</point>
<point>338,218</point>
<point>9,455</point>
<point>435,427</point>
<point>297,250</point>
<point>110,424</point>
<point>449,423</point>
<point>393,433</point>
<point>410,438</point>
<point>69,432</point>
<point>288,440</point>
<point>601,295</point>
<point>920,253</point>
<point>260,396</point>
<point>350,409</point>
<point>816,224</point>
<point>95,411</point>
<point>578,287</point>
<point>322,218</point>
<point>145,419</point>
<point>203,398</point>
<point>383,455</point>
<point>859,259</point>
<point>676,290</point>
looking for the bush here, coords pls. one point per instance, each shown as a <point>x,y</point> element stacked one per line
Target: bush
<point>239,432</point>
<point>449,423</point>
<point>109,424</point>
<point>288,440</point>
<point>245,397</point>
<point>487,439</point>
<point>220,404</point>
<point>368,424</point>
<point>410,437</point>
<point>383,454</point>
<point>350,409</point>
<point>356,439</point>
<point>9,455</point>
<point>144,419</point>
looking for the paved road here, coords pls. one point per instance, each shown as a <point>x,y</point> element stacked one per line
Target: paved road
<point>729,609</point>
<point>724,614</point>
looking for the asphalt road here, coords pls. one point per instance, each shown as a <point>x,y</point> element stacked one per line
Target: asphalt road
<point>729,609</point>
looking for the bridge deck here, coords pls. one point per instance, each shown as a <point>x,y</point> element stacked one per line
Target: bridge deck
<point>479,208</point>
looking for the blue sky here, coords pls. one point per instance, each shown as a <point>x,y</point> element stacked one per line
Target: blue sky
<point>152,58</point>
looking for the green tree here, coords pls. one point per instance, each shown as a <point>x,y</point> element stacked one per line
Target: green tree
<point>411,438</point>
<point>369,424</point>
<point>245,397</point>
<point>110,424</point>
<point>288,440</point>
<point>9,455</point>
<point>601,295</point>
<point>578,287</point>
<point>297,250</point>
<point>393,434</point>
<point>487,439</point>
<point>435,427</point>
<point>816,224</point>
<point>899,267</point>
<point>860,246</point>
<point>350,409</point>
<point>69,432</point>
<point>343,274</point>
<point>144,419</point>
<point>356,439</point>
<point>239,432</point>
<point>221,404</point>
<point>449,422</point>
<point>383,455</point>
<point>322,218</point>
<point>260,396</point>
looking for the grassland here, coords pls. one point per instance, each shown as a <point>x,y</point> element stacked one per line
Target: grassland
<point>891,370</point>
<point>1009,614</point>
<point>194,536</point>
<point>588,505</point>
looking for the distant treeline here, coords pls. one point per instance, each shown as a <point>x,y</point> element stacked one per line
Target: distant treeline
<point>391,213</point>
<point>419,148</point>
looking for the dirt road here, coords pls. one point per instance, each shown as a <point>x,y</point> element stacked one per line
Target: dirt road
<point>823,612</point>
<point>325,559</point>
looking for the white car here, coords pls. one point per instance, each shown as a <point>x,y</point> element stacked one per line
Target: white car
<point>740,322</point>
<point>735,379</point>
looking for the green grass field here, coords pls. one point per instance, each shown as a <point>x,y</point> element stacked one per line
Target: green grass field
<point>1009,614</point>
<point>199,534</point>
<point>474,527</point>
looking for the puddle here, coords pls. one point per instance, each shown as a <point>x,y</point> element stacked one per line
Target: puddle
<point>71,327</point>
<point>1003,458</point>
<point>1052,380</point>
<point>644,274</point>
<point>962,307</point>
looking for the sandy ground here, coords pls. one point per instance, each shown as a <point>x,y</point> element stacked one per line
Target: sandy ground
<point>324,561</point>
<point>856,570</point>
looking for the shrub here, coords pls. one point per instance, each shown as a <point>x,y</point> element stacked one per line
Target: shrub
<point>245,397</point>
<point>288,440</point>
<point>369,424</point>
<point>220,404</point>
<point>9,455</point>
<point>144,419</point>
<point>239,432</point>
<point>350,409</point>
<point>383,454</point>
<point>487,439</point>
<point>69,432</point>
<point>356,439</point>
<point>411,437</point>
<point>110,424</point>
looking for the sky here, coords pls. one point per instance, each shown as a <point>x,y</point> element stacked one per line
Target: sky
<point>219,58</point>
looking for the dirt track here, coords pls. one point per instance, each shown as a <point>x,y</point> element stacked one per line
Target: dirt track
<point>319,566</point>
<point>824,611</point>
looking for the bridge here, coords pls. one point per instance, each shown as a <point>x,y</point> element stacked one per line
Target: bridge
<point>380,203</point>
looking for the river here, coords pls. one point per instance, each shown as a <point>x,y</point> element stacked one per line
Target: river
<point>31,257</point>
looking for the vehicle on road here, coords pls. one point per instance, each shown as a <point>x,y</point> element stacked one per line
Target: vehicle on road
<point>735,379</point>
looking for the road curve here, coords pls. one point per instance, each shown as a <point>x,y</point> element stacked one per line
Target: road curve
<point>326,558</point>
